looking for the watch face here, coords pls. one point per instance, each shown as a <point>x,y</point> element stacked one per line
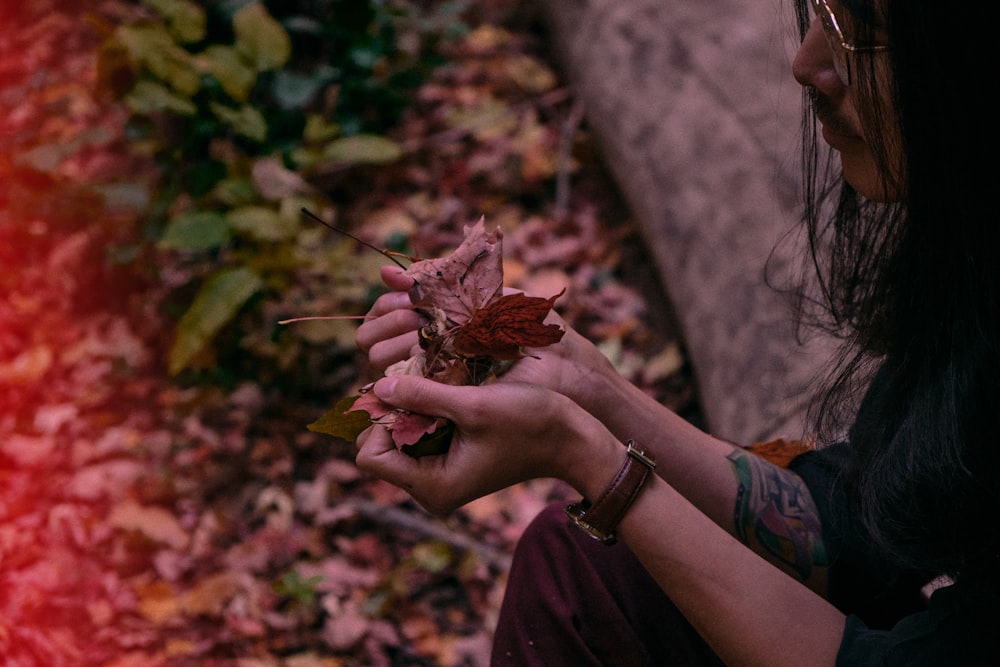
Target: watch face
<point>577,514</point>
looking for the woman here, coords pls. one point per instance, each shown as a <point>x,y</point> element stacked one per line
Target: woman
<point>720,555</point>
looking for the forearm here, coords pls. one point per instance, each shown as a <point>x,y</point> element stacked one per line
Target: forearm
<point>766,507</point>
<point>690,460</point>
<point>747,610</point>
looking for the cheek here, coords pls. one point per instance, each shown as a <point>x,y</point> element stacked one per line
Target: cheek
<point>861,170</point>
<point>879,177</point>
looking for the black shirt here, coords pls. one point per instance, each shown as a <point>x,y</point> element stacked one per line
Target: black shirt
<point>889,621</point>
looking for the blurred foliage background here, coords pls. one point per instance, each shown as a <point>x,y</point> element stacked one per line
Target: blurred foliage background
<point>163,502</point>
<point>242,105</point>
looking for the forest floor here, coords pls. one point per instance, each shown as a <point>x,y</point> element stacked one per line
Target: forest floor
<point>145,522</point>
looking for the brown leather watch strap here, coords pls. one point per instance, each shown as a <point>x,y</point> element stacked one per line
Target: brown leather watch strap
<point>600,518</point>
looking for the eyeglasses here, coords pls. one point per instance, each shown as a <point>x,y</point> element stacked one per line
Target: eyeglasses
<point>839,44</point>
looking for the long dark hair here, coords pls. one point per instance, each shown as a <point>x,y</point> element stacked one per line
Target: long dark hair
<point>913,287</point>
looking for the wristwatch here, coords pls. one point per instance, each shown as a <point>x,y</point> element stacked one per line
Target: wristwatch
<point>600,518</point>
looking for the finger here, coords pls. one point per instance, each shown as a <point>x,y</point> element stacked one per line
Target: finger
<point>389,302</point>
<point>364,435</point>
<point>396,278</point>
<point>379,457</point>
<point>375,441</point>
<point>387,352</point>
<point>385,327</point>
<point>417,394</point>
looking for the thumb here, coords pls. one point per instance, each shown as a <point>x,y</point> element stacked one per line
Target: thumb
<point>417,394</point>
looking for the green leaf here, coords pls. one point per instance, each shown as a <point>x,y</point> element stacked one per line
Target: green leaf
<point>262,223</point>
<point>246,120</point>
<point>199,230</point>
<point>260,38</point>
<point>149,97</point>
<point>155,49</point>
<point>340,423</point>
<point>236,191</point>
<point>319,129</point>
<point>215,305</point>
<point>304,158</point>
<point>186,19</point>
<point>363,149</point>
<point>232,72</point>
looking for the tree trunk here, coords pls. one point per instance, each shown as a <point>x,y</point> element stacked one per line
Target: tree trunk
<point>697,115</point>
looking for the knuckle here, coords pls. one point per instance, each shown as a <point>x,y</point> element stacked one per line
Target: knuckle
<point>382,304</point>
<point>385,353</point>
<point>366,337</point>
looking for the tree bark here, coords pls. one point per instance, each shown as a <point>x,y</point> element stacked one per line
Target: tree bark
<point>696,112</point>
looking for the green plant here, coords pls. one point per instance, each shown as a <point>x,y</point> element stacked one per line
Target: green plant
<point>240,103</point>
<point>294,586</point>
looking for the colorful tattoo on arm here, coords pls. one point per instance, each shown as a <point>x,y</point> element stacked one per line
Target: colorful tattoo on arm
<point>775,515</point>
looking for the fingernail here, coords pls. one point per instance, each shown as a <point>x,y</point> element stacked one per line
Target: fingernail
<point>385,387</point>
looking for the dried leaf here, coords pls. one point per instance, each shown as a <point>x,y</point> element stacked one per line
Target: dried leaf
<point>158,602</point>
<point>155,523</point>
<point>506,326</point>
<point>210,596</point>
<point>463,282</point>
<point>407,428</point>
<point>275,181</point>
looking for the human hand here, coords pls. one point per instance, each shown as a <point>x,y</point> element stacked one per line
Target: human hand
<point>505,433</point>
<point>390,335</point>
<point>573,367</point>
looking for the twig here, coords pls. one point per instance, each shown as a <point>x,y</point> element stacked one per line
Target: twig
<point>429,528</point>
<point>349,235</point>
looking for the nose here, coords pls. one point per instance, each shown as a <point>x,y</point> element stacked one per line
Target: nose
<point>813,64</point>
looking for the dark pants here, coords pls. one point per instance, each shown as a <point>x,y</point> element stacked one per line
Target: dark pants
<point>574,602</point>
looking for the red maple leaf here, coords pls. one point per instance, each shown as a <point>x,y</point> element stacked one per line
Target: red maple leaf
<point>407,428</point>
<point>507,325</point>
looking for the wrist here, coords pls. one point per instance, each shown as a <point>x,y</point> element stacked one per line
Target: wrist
<point>599,518</point>
<point>596,386</point>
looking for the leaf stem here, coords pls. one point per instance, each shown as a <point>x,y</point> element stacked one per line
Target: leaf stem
<point>327,317</point>
<point>352,236</point>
